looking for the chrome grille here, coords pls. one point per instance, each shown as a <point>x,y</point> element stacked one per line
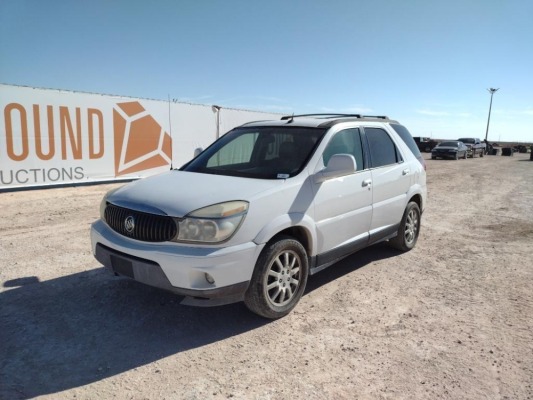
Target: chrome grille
<point>145,227</point>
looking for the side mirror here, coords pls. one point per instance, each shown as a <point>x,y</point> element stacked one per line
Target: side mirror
<point>197,151</point>
<point>338,165</point>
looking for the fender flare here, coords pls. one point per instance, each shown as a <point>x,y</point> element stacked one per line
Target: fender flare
<point>415,190</point>
<point>286,221</point>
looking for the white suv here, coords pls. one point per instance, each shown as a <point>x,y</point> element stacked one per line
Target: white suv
<point>264,207</point>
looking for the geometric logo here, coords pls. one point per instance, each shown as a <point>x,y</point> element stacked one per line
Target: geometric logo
<point>140,142</point>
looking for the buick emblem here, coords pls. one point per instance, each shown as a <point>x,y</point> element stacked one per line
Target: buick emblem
<point>129,224</point>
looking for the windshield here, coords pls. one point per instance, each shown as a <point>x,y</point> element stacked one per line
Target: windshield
<point>467,140</point>
<point>449,144</point>
<point>259,152</point>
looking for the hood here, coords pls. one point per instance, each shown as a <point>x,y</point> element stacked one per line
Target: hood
<point>446,148</point>
<point>177,193</point>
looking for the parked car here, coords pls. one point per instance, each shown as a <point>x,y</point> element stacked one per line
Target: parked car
<point>264,207</point>
<point>451,149</point>
<point>521,148</point>
<point>475,146</point>
<point>425,144</point>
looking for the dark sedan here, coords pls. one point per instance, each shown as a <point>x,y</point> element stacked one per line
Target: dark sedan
<point>451,149</point>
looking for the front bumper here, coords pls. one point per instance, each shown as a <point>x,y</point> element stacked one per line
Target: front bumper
<point>178,268</point>
<point>444,155</point>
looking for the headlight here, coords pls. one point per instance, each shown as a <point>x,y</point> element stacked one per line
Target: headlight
<point>212,224</point>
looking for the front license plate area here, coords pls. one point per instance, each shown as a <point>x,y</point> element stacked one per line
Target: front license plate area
<point>122,266</point>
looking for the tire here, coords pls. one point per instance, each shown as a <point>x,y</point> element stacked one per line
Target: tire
<point>466,155</point>
<point>482,153</point>
<point>409,228</point>
<point>456,156</point>
<point>433,158</point>
<point>279,278</point>
<point>427,149</point>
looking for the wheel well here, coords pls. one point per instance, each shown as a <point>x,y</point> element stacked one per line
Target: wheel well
<point>298,233</point>
<point>417,199</point>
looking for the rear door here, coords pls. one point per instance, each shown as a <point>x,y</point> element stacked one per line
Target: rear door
<point>391,179</point>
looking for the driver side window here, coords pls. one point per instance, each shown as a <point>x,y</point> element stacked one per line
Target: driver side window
<point>347,141</point>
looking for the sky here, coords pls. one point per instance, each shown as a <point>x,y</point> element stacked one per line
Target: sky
<point>427,64</point>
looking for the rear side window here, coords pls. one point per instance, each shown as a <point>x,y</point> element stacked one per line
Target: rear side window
<point>382,148</point>
<point>408,139</point>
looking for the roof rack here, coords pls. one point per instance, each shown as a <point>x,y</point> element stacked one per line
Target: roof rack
<point>376,116</point>
<point>330,115</point>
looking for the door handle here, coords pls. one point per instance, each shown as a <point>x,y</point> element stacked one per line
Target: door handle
<point>367,182</point>
<point>405,172</point>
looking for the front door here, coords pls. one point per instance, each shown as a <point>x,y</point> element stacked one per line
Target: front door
<point>343,206</point>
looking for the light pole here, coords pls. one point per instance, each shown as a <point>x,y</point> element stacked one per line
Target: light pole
<point>216,110</point>
<point>491,90</point>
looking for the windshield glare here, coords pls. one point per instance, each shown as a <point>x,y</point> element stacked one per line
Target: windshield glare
<point>259,152</point>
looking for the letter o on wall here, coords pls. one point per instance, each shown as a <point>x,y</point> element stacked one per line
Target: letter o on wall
<point>10,141</point>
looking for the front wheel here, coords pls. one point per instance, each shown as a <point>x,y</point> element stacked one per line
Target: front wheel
<point>409,228</point>
<point>279,278</point>
<point>465,156</point>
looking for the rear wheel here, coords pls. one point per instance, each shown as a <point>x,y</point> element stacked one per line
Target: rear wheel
<point>279,278</point>
<point>409,228</point>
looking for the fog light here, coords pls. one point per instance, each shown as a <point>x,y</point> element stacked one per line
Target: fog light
<point>209,278</point>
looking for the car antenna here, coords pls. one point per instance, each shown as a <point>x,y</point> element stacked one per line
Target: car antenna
<point>291,119</point>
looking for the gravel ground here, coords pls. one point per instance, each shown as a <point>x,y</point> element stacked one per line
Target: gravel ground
<point>452,319</point>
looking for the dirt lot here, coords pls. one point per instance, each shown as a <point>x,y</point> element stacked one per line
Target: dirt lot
<point>451,319</point>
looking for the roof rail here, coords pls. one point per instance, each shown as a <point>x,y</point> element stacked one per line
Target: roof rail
<point>333,115</point>
<point>376,116</point>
